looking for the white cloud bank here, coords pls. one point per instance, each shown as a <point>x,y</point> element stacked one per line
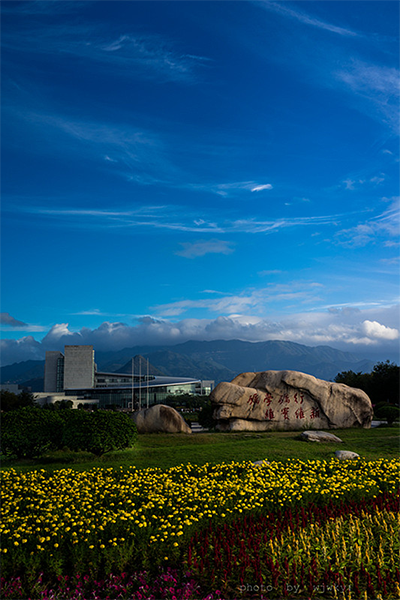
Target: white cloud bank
<point>371,332</point>
<point>375,331</point>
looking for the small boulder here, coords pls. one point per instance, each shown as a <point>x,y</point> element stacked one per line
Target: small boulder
<point>261,463</point>
<point>160,419</point>
<point>319,436</point>
<point>346,455</point>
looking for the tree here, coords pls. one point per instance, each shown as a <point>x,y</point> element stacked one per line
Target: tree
<point>206,418</point>
<point>358,380</point>
<point>381,385</point>
<point>386,383</point>
<point>186,400</point>
<point>59,405</point>
<point>10,401</point>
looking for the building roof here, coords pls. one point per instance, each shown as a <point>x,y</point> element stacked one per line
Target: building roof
<point>158,381</point>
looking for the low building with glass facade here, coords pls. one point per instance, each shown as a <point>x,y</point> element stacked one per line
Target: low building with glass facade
<point>74,375</point>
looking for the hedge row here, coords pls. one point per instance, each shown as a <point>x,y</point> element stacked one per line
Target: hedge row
<point>30,432</point>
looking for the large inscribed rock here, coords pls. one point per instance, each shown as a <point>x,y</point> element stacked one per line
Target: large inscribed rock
<point>160,419</point>
<point>288,400</point>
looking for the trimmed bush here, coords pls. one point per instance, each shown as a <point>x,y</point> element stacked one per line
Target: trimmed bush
<point>387,411</point>
<point>98,432</point>
<point>29,432</point>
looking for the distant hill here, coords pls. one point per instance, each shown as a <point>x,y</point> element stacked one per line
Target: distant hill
<point>21,372</point>
<point>140,364</point>
<point>220,360</point>
<point>29,373</point>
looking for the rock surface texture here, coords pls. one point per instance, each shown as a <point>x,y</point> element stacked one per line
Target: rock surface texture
<point>319,436</point>
<point>288,400</point>
<point>346,455</point>
<point>160,419</point>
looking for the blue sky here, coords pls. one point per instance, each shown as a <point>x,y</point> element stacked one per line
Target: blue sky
<point>200,170</point>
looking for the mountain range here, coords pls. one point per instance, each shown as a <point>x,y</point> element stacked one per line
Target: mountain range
<point>219,360</point>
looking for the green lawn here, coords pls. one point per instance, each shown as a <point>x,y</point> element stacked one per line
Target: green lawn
<point>166,450</point>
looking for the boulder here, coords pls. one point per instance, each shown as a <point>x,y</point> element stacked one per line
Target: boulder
<point>346,455</point>
<point>288,400</point>
<point>261,463</point>
<point>160,419</point>
<point>319,436</point>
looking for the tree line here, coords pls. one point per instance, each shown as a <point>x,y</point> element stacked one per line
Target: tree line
<point>382,386</point>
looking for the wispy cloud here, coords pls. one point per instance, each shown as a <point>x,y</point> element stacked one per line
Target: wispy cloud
<point>386,224</point>
<point>260,188</point>
<point>135,154</point>
<point>395,260</point>
<point>389,220</point>
<point>366,77</point>
<point>227,189</point>
<point>377,86</point>
<point>96,312</point>
<point>286,9</point>
<point>169,217</point>
<point>248,301</point>
<point>196,249</point>
<point>140,55</point>
<point>269,272</point>
<point>353,184</point>
<point>132,153</point>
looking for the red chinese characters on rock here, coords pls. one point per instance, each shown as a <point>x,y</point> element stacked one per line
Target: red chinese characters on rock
<point>269,414</point>
<point>268,398</point>
<point>284,399</point>
<point>254,399</point>
<point>314,412</point>
<point>285,412</point>
<point>299,414</point>
<point>299,400</point>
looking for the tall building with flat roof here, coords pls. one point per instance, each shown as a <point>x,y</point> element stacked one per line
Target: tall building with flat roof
<point>79,367</point>
<point>52,368</point>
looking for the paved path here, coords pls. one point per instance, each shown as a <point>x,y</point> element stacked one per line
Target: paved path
<point>197,428</point>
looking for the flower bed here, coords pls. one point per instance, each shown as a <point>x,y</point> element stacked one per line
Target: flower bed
<point>351,546</point>
<point>111,521</point>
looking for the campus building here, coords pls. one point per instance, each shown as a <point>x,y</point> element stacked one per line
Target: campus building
<point>73,375</point>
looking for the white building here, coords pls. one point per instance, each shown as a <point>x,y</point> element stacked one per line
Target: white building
<point>74,375</point>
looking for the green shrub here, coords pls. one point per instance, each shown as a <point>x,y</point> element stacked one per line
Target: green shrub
<point>76,429</point>
<point>98,432</point>
<point>387,411</point>
<point>29,432</point>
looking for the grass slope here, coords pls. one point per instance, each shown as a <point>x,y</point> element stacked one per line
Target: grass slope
<point>167,450</point>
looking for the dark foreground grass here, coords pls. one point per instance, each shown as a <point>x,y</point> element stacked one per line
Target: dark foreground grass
<point>167,450</point>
